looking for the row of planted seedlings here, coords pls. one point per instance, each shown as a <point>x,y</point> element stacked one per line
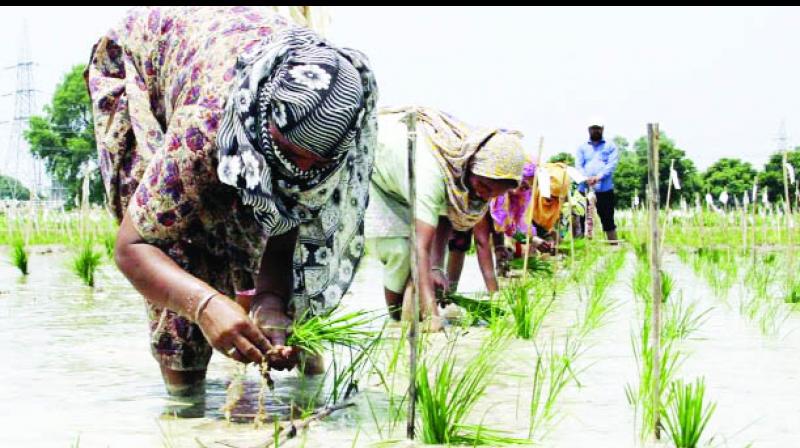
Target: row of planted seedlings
<point>87,232</point>
<point>455,370</point>
<point>450,397</point>
<point>681,407</point>
<point>762,275</point>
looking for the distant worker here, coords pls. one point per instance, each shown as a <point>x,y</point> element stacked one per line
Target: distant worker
<point>459,169</point>
<point>597,160</point>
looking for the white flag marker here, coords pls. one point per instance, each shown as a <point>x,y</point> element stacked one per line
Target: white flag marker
<point>544,182</point>
<point>790,172</point>
<point>673,176</point>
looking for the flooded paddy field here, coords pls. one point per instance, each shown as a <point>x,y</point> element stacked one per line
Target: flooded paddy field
<point>77,370</point>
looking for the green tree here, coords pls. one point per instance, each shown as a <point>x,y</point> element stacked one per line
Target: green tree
<point>621,143</point>
<point>565,157</point>
<point>631,173</point>
<point>627,179</point>
<point>11,188</point>
<point>64,135</point>
<point>735,175</point>
<point>690,179</point>
<point>772,176</point>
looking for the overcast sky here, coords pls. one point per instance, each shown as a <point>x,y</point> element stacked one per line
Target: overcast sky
<point>718,80</point>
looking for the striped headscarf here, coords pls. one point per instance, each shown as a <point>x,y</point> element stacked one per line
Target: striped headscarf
<point>314,95</point>
<point>321,98</point>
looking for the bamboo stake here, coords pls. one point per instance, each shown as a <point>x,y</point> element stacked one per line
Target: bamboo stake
<point>655,270</point>
<point>529,214</point>
<point>755,206</point>
<point>702,220</point>
<point>411,123</point>
<point>788,210</point>
<point>571,229</point>
<point>744,227</point>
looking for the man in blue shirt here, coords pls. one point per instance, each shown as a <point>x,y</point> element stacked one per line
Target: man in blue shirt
<point>597,160</point>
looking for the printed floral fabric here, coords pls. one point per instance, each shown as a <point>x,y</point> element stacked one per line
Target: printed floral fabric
<point>159,84</point>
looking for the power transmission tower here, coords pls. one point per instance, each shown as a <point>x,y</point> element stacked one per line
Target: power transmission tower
<point>16,159</point>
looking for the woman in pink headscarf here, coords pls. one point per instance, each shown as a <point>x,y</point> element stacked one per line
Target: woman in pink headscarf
<point>508,212</point>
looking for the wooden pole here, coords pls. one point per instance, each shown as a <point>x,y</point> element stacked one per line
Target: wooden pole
<point>744,227</point>
<point>571,227</point>
<point>655,270</point>
<point>411,123</point>
<point>755,206</point>
<point>788,211</point>
<point>529,214</point>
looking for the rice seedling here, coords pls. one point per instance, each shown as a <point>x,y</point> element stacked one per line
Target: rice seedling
<point>86,262</point>
<point>448,395</point>
<point>311,334</point>
<point>109,241</point>
<point>19,255</point>
<point>793,294</point>
<point>553,372</point>
<point>345,378</point>
<point>641,396</point>
<point>387,375</point>
<point>536,266</point>
<point>598,304</point>
<point>484,310</point>
<point>680,320</point>
<point>688,413</point>
<point>528,302</point>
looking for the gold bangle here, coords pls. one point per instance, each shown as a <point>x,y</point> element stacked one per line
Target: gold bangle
<point>202,305</point>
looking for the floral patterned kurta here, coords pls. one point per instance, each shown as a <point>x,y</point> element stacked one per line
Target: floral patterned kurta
<point>158,84</point>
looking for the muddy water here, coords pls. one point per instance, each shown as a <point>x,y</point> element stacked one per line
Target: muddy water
<point>76,363</point>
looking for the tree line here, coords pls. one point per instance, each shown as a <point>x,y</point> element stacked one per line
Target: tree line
<point>63,136</point>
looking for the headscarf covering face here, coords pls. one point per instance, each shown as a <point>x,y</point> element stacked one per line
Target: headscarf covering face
<point>546,211</point>
<point>508,211</point>
<point>459,148</point>
<point>322,99</point>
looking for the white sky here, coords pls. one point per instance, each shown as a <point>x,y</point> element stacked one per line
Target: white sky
<point>718,80</point>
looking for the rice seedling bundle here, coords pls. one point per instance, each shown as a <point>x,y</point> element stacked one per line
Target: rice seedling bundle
<point>687,414</point>
<point>447,395</point>
<point>312,334</point>
<point>536,266</point>
<point>86,262</point>
<point>19,256</point>
<point>528,303</point>
<point>485,310</point>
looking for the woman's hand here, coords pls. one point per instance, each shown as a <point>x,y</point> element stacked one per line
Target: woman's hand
<point>269,315</point>
<point>440,282</point>
<point>226,326</point>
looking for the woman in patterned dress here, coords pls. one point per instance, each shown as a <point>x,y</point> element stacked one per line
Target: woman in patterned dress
<point>236,149</point>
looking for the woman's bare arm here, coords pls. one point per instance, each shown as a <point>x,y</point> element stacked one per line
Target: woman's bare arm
<point>483,247</point>
<point>161,281</point>
<point>274,287</point>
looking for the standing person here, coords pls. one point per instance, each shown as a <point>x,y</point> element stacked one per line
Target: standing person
<point>235,149</point>
<point>458,170</point>
<point>597,160</point>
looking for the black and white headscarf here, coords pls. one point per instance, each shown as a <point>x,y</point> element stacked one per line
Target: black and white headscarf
<point>322,98</point>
